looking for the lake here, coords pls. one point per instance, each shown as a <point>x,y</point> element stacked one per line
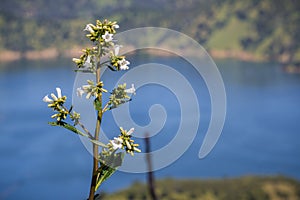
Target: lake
<point>261,135</point>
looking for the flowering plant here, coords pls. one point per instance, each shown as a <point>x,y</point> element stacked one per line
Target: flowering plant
<point>111,156</point>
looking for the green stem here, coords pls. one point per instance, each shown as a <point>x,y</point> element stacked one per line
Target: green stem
<point>97,132</point>
<point>105,108</point>
<point>81,125</point>
<point>85,130</point>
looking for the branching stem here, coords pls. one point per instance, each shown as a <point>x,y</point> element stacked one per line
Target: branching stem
<point>97,133</point>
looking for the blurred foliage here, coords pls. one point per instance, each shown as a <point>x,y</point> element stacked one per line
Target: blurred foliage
<point>264,28</point>
<point>245,188</point>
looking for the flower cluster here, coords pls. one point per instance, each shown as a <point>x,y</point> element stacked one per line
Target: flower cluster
<point>91,61</point>
<point>118,62</point>
<point>124,141</point>
<point>102,32</point>
<point>75,117</point>
<point>120,95</point>
<point>85,60</point>
<point>91,89</point>
<point>57,104</point>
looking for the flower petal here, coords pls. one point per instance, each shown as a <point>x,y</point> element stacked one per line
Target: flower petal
<point>89,28</point>
<point>53,97</point>
<point>124,67</point>
<point>130,131</point>
<point>86,87</point>
<point>117,49</point>
<point>79,92</point>
<point>115,26</point>
<point>47,99</point>
<point>131,90</point>
<point>107,37</point>
<point>88,95</point>
<point>58,90</point>
<point>123,64</point>
<point>116,143</point>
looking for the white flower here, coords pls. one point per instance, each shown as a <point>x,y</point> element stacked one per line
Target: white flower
<point>88,89</point>
<point>123,64</point>
<point>54,97</point>
<point>76,60</point>
<point>117,49</point>
<point>116,143</point>
<point>107,37</point>
<point>131,90</point>
<point>130,131</point>
<point>47,99</point>
<point>88,63</point>
<point>115,26</point>
<point>58,90</point>
<point>79,92</point>
<point>89,28</point>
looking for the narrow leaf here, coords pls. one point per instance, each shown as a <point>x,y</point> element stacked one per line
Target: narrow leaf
<point>75,130</point>
<point>98,143</point>
<point>69,127</point>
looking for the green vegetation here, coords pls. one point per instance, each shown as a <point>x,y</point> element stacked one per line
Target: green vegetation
<point>245,188</point>
<point>265,29</point>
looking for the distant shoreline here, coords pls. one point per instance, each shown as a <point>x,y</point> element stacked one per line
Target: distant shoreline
<point>45,54</point>
<point>52,53</point>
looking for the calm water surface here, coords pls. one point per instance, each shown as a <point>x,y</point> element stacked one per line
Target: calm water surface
<point>261,135</point>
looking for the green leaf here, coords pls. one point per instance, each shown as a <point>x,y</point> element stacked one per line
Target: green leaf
<point>75,130</point>
<point>69,127</point>
<point>106,172</point>
<point>98,143</point>
<point>109,166</point>
<point>98,104</point>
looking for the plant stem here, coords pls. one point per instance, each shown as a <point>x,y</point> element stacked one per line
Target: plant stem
<point>151,181</point>
<point>86,130</point>
<point>95,157</point>
<point>97,132</point>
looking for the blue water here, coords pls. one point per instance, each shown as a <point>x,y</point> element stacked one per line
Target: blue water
<point>261,135</point>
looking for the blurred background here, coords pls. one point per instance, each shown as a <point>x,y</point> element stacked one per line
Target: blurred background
<point>255,45</point>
